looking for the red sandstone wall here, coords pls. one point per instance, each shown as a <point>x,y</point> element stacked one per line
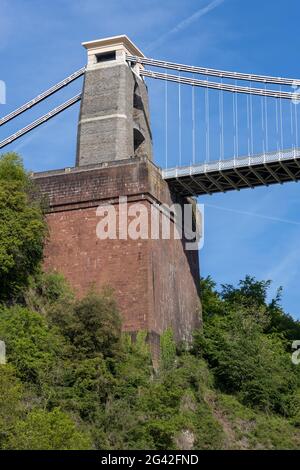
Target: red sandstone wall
<point>155,281</point>
<point>75,251</point>
<point>175,275</point>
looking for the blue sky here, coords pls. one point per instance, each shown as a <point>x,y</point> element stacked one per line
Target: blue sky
<point>250,232</point>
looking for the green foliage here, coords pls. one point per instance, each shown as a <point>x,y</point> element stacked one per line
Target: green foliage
<point>22,228</point>
<point>44,430</point>
<point>246,358</point>
<point>251,429</point>
<point>157,411</point>
<point>55,370</point>
<point>31,346</point>
<point>211,301</point>
<point>47,290</point>
<point>84,387</point>
<point>167,349</point>
<point>74,381</point>
<point>92,324</point>
<point>97,325</point>
<point>250,293</point>
<point>10,402</point>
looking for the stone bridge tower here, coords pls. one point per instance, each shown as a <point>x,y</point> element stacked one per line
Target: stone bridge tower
<point>114,119</point>
<point>155,279</point>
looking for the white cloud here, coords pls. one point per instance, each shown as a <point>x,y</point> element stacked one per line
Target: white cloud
<point>185,23</point>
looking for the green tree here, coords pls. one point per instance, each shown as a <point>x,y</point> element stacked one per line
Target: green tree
<point>246,358</point>
<point>92,324</point>
<point>32,347</point>
<point>211,301</point>
<point>250,292</point>
<point>22,228</point>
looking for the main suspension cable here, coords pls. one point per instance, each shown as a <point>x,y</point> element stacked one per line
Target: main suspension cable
<point>40,121</point>
<point>42,96</point>
<point>222,86</point>
<point>212,72</point>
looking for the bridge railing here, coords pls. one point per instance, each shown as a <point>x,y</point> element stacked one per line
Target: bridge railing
<point>231,163</point>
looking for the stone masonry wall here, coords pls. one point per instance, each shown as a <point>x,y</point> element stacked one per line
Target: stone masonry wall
<point>155,281</point>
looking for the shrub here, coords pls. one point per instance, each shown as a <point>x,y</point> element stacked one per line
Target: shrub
<point>43,430</point>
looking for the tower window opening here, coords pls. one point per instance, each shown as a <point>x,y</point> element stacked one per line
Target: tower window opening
<point>106,56</point>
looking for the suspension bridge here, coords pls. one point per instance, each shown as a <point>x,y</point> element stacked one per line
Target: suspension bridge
<point>270,105</point>
<point>216,130</point>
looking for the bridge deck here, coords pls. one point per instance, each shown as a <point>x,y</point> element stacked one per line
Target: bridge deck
<point>235,174</point>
